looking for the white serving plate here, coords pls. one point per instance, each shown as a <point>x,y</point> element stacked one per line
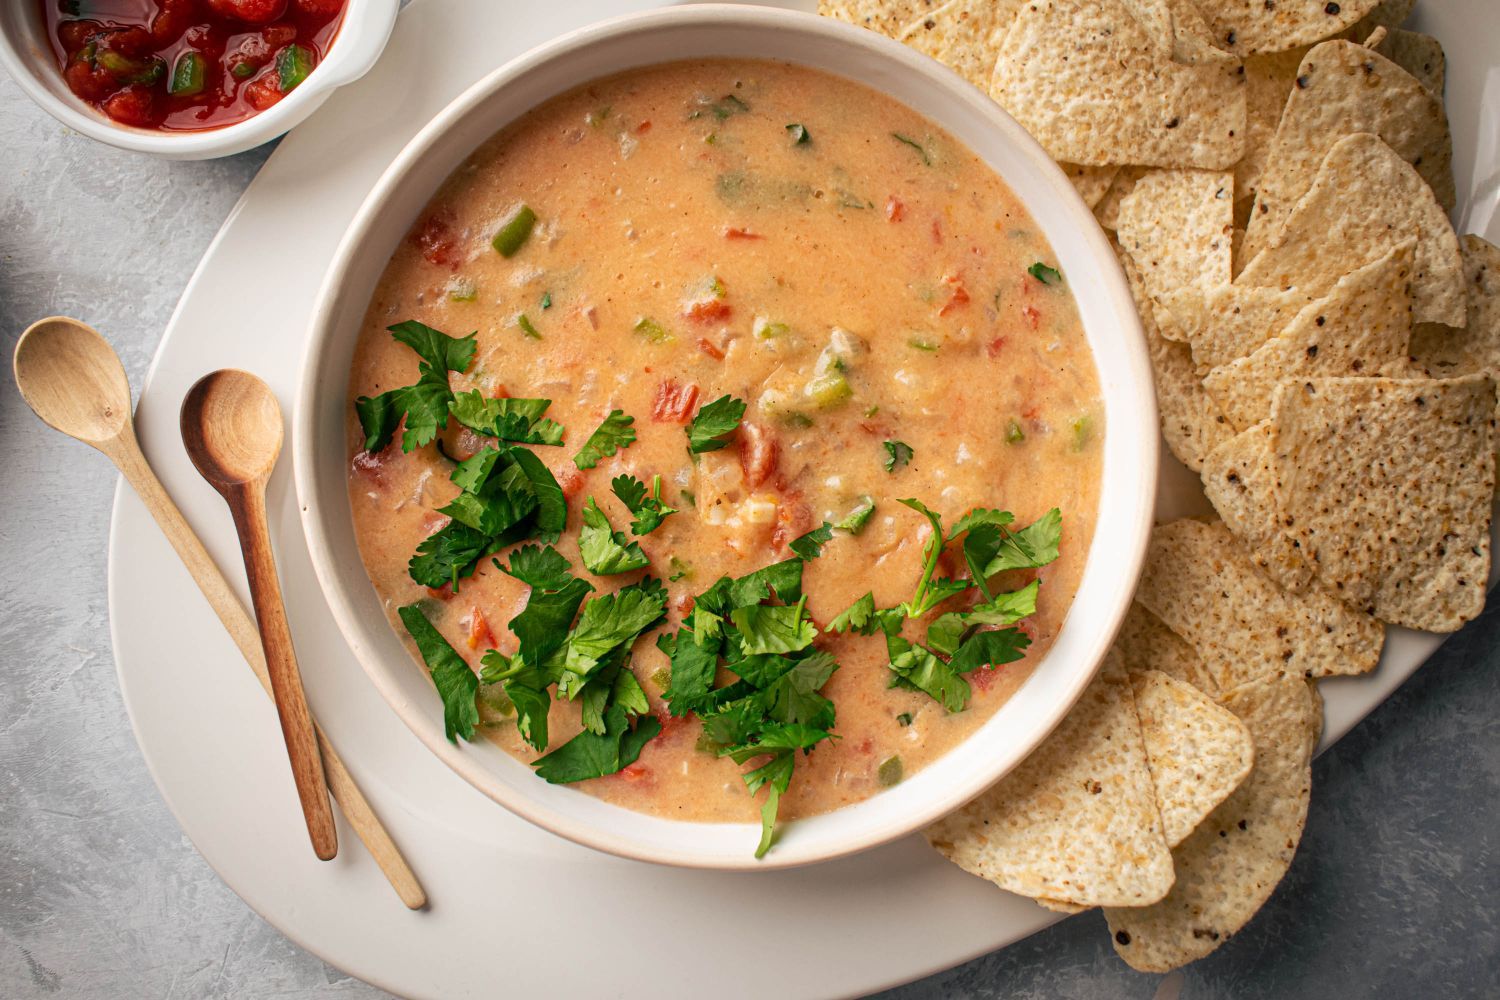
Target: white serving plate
<point>501,888</point>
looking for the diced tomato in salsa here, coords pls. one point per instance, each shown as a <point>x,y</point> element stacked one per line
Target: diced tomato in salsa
<point>187,65</point>
<point>758,454</point>
<point>674,402</point>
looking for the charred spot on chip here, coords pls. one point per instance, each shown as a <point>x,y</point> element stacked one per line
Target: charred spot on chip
<point>1123,937</point>
<point>1302,82</point>
<point>1174,123</point>
<point>1331,9</point>
<point>1312,350</point>
<point>1321,320</point>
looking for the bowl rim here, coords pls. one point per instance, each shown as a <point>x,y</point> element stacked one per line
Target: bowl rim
<point>1132,413</point>
<point>26,56</point>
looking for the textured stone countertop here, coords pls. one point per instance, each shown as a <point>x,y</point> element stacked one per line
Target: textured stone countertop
<point>1395,891</point>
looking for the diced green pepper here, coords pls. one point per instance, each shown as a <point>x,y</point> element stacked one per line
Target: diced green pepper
<point>546,300</point>
<point>293,63</point>
<point>828,389</point>
<point>242,70</point>
<point>854,521</point>
<point>764,329</point>
<point>797,420</point>
<point>662,678</point>
<point>689,497</point>
<point>188,75</point>
<point>680,569</point>
<point>526,326</point>
<point>890,772</point>
<point>1013,432</point>
<point>463,290</point>
<point>1046,275</point>
<point>922,344</point>
<point>652,330</point>
<point>494,698</point>
<point>514,232</point>
<point>1083,432</point>
<point>904,719</point>
<point>128,70</point>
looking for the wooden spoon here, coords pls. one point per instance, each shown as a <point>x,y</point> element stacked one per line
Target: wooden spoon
<point>73,380</point>
<point>231,426</point>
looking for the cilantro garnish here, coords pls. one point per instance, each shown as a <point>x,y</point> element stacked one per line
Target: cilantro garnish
<point>518,420</point>
<point>648,509</point>
<point>774,709</point>
<point>538,567</point>
<point>609,437</point>
<point>914,144</point>
<point>897,454</point>
<point>1046,275</point>
<point>606,551</point>
<point>854,521</point>
<point>455,682</point>
<point>711,428</point>
<point>810,545</point>
<point>425,403</point>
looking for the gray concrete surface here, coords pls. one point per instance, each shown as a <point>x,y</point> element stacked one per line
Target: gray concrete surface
<point>1393,894</point>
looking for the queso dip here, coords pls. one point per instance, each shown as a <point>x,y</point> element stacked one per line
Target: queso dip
<point>670,245</point>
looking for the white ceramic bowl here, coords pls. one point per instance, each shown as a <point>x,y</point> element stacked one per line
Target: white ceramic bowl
<point>1109,317</point>
<point>26,54</point>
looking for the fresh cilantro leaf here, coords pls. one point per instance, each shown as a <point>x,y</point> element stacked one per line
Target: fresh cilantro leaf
<point>991,648</point>
<point>649,510</point>
<point>780,742</point>
<point>767,629</point>
<point>501,501</point>
<point>1033,546</point>
<point>455,682</point>
<point>857,617</point>
<point>919,669</point>
<point>710,429</point>
<point>518,420</point>
<point>607,622</point>
<point>914,144</point>
<point>777,774</point>
<point>449,553</point>
<point>539,567</point>
<point>930,592</point>
<point>541,628</point>
<point>1046,275</point>
<point>897,454</point>
<point>424,404</point>
<point>810,545</point>
<point>593,755</point>
<point>629,694</point>
<point>793,697</point>
<point>594,698</point>
<point>980,516</point>
<point>552,506</point>
<point>1007,608</point>
<point>854,521</point>
<point>783,578</point>
<point>526,687</point>
<point>609,437</point>
<point>605,551</point>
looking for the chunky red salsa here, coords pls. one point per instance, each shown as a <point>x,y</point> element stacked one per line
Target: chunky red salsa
<point>181,65</point>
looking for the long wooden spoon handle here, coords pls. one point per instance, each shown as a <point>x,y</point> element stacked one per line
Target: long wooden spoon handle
<point>127,457</point>
<point>248,505</point>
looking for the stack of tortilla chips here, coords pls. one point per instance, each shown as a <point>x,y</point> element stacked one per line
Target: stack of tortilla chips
<point>1277,179</point>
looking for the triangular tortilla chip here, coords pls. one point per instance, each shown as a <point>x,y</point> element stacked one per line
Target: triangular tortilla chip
<point>961,34</point>
<point>1176,225</point>
<point>1343,89</point>
<point>1088,82</point>
<point>1445,351</point>
<point>887,17</point>
<point>1147,644</point>
<point>1093,183</point>
<point>1361,327</point>
<point>1198,751</point>
<point>1228,322</point>
<point>1239,479</point>
<point>1203,584</point>
<point>1234,860</point>
<point>1107,211</point>
<point>1420,55</point>
<point>1190,422</point>
<point>1077,821</point>
<point>1269,79</point>
<point>1387,484</point>
<point>1246,26</point>
<point>1178,29</point>
<point>1365,201</point>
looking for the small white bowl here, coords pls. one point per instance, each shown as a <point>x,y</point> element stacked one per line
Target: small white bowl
<point>26,54</point>
<point>1109,318</point>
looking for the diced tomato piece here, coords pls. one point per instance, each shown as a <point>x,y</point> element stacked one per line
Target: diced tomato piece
<point>635,773</point>
<point>249,11</point>
<point>135,105</point>
<point>262,92</point>
<point>1033,315</point>
<point>866,745</point>
<point>674,402</point>
<point>92,83</point>
<point>792,521</point>
<point>895,209</point>
<point>958,296</point>
<point>937,231</point>
<point>437,241</point>
<point>74,35</point>
<point>320,8</point>
<point>570,479</point>
<point>278,35</point>
<point>995,347</point>
<point>710,348</point>
<point>479,630</point>
<point>683,604</point>
<point>983,678</point>
<point>707,310</point>
<point>758,454</point>
<point>371,464</point>
<point>443,593</point>
<point>736,233</point>
<point>135,42</point>
<point>433,523</point>
<point>173,18</point>
<point>643,127</point>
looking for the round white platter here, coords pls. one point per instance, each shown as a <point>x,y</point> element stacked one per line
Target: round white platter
<point>514,910</point>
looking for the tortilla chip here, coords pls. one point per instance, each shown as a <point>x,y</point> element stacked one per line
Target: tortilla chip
<point>1178,29</point>
<point>1361,327</point>
<point>1445,352</point>
<point>1058,906</point>
<point>1365,201</point>
<point>1146,644</point>
<point>887,17</point>
<point>1269,79</point>
<point>1229,322</point>
<point>1107,211</point>
<point>1239,479</point>
<point>1387,484</point>
<point>1420,55</point>
<point>1246,26</point>
<point>961,34</point>
<point>1198,752</point>
<point>1176,226</point>
<point>1342,89</point>
<point>1202,583</point>
<point>1076,822</point>
<point>1233,861</point>
<point>1190,422</point>
<point>1088,82</point>
<point>1092,182</point>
